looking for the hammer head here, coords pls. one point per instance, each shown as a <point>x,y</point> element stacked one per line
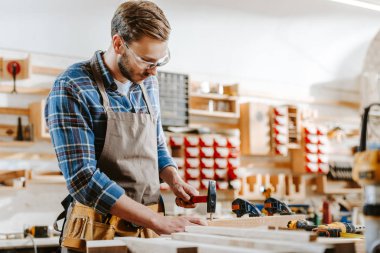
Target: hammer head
<point>211,196</point>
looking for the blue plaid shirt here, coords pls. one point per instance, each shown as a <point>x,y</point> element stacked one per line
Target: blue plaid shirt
<point>77,125</point>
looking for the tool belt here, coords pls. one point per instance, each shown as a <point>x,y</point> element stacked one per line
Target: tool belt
<point>83,223</point>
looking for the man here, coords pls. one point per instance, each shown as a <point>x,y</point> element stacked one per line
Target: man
<point>104,120</point>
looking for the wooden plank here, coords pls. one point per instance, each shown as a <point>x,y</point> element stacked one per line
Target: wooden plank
<point>103,246</point>
<point>14,111</point>
<point>275,221</point>
<point>257,233</point>
<point>25,90</point>
<point>275,245</point>
<point>37,118</point>
<point>46,70</point>
<point>255,129</point>
<point>214,96</point>
<point>27,156</point>
<point>161,245</point>
<point>230,115</point>
<point>17,144</point>
<point>292,100</point>
<point>11,174</point>
<point>8,131</point>
<point>166,245</point>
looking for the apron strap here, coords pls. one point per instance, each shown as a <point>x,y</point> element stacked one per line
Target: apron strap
<point>99,81</point>
<point>147,100</point>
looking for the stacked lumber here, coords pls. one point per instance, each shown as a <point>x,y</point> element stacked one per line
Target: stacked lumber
<point>235,235</point>
<point>199,239</point>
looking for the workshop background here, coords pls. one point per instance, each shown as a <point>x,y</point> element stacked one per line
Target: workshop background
<point>272,94</point>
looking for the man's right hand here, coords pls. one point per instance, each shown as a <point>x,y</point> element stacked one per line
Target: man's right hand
<point>170,224</point>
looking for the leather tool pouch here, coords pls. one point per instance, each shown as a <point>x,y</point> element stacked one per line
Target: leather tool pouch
<point>84,224</point>
<point>366,168</point>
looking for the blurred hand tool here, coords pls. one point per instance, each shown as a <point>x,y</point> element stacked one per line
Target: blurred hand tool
<point>275,206</point>
<point>241,207</point>
<point>335,229</point>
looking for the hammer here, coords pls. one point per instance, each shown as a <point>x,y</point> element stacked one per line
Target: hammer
<point>210,198</point>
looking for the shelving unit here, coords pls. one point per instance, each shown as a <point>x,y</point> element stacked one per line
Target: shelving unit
<point>325,186</point>
<point>286,129</point>
<point>214,105</point>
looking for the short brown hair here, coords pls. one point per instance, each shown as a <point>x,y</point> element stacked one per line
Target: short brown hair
<point>134,19</point>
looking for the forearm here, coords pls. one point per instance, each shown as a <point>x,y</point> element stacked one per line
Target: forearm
<point>170,175</point>
<point>132,211</point>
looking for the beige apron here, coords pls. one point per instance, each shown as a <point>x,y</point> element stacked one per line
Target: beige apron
<point>129,155</point>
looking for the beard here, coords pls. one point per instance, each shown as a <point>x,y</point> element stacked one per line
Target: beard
<point>127,71</point>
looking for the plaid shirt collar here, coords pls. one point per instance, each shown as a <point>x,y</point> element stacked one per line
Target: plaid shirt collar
<point>108,79</point>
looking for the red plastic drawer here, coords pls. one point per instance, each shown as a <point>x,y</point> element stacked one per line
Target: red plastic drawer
<point>176,141</point>
<point>207,152</point>
<point>206,141</point>
<point>191,141</point>
<point>192,152</point>
<point>192,162</point>
<point>207,162</point>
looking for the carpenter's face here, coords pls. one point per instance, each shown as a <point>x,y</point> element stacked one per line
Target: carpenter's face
<point>140,59</point>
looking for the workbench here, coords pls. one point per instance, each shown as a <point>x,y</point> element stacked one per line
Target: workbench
<point>22,245</point>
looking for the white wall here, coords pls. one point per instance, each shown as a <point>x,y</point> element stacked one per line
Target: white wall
<point>292,45</point>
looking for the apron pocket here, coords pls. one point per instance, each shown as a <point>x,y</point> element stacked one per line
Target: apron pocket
<point>77,227</point>
<point>100,231</point>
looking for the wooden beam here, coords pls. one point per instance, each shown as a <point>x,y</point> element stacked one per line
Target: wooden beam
<point>257,233</point>
<point>274,221</point>
<point>25,90</point>
<point>16,144</point>
<point>27,156</point>
<point>166,245</point>
<point>8,130</point>
<point>103,246</point>
<point>275,245</point>
<point>14,111</point>
<point>11,174</point>
<point>160,245</point>
<point>46,70</point>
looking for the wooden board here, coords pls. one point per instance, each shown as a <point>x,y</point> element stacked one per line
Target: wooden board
<point>166,245</point>
<point>23,71</point>
<point>254,129</point>
<point>275,221</point>
<point>14,111</point>
<point>37,118</point>
<point>257,233</point>
<point>103,246</point>
<point>159,245</point>
<point>275,245</point>
<point>46,70</point>
<point>25,90</point>
<point>8,130</point>
<point>11,174</point>
<point>27,156</point>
